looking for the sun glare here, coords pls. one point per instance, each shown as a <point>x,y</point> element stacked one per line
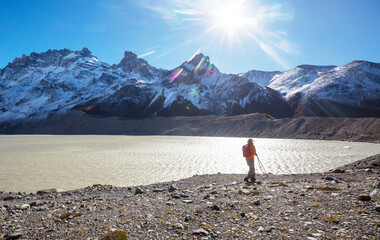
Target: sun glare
<point>229,16</point>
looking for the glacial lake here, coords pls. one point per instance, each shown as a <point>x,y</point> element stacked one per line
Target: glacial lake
<point>34,162</point>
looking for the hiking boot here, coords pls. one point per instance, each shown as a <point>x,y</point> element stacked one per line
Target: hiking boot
<point>246,179</point>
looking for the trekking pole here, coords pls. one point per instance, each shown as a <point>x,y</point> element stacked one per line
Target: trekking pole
<point>261,165</point>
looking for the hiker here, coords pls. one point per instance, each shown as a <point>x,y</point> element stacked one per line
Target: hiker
<point>249,152</point>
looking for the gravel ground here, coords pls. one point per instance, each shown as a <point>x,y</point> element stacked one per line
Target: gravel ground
<point>344,204</point>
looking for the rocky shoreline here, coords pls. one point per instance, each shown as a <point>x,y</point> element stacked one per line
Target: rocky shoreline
<point>255,125</point>
<point>340,204</point>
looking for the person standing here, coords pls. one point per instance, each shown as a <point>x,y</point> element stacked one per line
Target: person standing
<point>249,152</point>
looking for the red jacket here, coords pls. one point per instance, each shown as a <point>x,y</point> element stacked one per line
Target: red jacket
<point>253,151</point>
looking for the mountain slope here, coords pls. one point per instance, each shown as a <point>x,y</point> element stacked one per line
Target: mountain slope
<point>56,81</point>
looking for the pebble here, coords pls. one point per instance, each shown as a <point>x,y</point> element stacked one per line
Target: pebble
<point>24,206</point>
<point>170,203</point>
<point>200,232</point>
<point>269,229</point>
<point>9,198</point>
<point>172,188</point>
<point>175,196</point>
<point>36,203</point>
<point>206,197</point>
<point>215,207</point>
<point>187,201</point>
<point>328,178</point>
<point>257,202</point>
<point>15,235</point>
<point>138,191</point>
<point>158,190</point>
<point>260,229</point>
<point>377,208</point>
<point>364,197</point>
<point>178,226</point>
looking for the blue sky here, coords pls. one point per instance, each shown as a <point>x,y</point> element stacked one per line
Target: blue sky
<point>237,35</point>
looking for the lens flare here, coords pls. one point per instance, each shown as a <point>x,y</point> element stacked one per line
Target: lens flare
<point>199,64</point>
<point>195,92</point>
<point>194,55</point>
<point>175,74</point>
<point>208,71</point>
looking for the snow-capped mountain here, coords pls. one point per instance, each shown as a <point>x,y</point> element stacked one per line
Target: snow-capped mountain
<point>260,77</point>
<point>351,90</point>
<point>57,81</point>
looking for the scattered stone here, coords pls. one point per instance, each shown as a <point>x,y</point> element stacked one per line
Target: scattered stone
<point>175,196</point>
<point>187,201</point>
<point>213,192</point>
<point>178,226</point>
<point>242,214</point>
<point>158,190</point>
<point>338,171</point>
<point>24,206</point>
<point>138,191</point>
<point>257,202</point>
<point>328,178</point>
<point>206,197</point>
<point>170,203</point>
<point>15,235</point>
<point>364,197</point>
<point>36,203</point>
<point>215,207</point>
<point>377,184</point>
<point>9,198</point>
<point>269,229</point>
<point>260,229</point>
<point>374,193</point>
<point>49,191</point>
<point>200,232</point>
<point>377,208</point>
<point>172,188</point>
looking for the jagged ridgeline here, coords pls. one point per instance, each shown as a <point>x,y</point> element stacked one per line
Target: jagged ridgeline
<point>57,81</point>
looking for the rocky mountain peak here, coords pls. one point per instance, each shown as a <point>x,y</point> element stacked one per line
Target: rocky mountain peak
<point>86,53</point>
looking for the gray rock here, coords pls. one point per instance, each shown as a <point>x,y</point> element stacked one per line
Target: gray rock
<point>328,178</point>
<point>260,229</point>
<point>269,229</point>
<point>51,190</point>
<point>199,232</point>
<point>364,197</point>
<point>15,235</point>
<point>170,203</point>
<point>377,184</point>
<point>187,201</point>
<point>24,206</point>
<point>215,207</point>
<point>257,202</point>
<point>206,197</point>
<point>377,208</point>
<point>158,190</point>
<point>9,198</point>
<point>175,196</point>
<point>36,203</point>
<point>138,191</point>
<point>172,188</point>
<point>178,226</point>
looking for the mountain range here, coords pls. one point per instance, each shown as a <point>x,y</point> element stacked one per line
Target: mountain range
<point>57,81</point>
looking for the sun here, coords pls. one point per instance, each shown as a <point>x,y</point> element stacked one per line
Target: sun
<point>229,16</point>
